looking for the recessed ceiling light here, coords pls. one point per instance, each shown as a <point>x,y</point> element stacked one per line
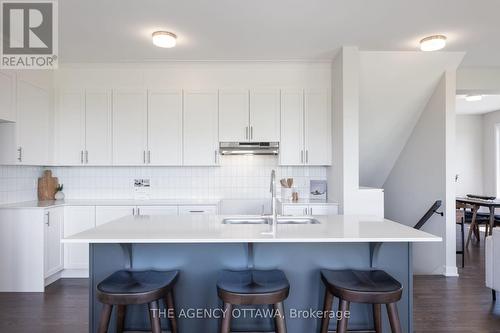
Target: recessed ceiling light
<point>164,39</point>
<point>473,98</point>
<point>433,43</point>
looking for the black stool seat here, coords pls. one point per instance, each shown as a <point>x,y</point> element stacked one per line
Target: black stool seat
<point>252,281</point>
<point>252,287</point>
<point>373,282</point>
<point>145,286</point>
<point>370,286</point>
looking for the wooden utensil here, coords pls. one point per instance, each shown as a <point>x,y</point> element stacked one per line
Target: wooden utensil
<point>289,182</point>
<point>283,182</point>
<point>47,186</point>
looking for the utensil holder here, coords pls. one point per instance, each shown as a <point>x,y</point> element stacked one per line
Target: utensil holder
<point>286,193</point>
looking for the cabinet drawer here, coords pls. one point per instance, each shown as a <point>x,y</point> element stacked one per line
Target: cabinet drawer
<point>324,210</point>
<point>200,210</point>
<point>295,210</point>
<point>156,210</point>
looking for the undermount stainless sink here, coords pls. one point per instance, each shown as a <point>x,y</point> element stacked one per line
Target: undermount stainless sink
<point>266,220</point>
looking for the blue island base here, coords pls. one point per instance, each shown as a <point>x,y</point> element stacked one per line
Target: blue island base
<point>198,307</point>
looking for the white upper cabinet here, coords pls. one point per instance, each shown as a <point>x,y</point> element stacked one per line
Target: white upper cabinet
<point>98,140</point>
<point>292,127</point>
<point>7,96</point>
<point>305,128</point>
<point>129,126</point>
<point>200,127</point>
<point>233,115</point>
<point>34,107</point>
<point>164,127</point>
<point>264,115</point>
<point>317,128</point>
<point>70,128</point>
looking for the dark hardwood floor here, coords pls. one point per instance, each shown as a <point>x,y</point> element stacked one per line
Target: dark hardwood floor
<point>63,308</point>
<point>463,304</point>
<point>441,304</point>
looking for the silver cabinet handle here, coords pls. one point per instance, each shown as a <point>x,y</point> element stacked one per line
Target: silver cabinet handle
<point>138,211</point>
<point>20,154</point>
<point>81,156</point>
<point>215,156</point>
<point>144,156</point>
<point>197,211</point>
<point>149,156</point>
<point>305,211</point>
<point>301,156</point>
<point>246,132</point>
<point>251,132</point>
<point>48,219</point>
<point>310,211</point>
<point>307,156</point>
<point>86,157</point>
<point>133,211</point>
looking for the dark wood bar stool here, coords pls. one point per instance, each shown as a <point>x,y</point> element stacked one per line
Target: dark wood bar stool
<point>253,287</point>
<point>374,287</point>
<point>128,287</point>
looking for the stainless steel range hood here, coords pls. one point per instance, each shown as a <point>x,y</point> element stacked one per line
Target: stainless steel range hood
<point>249,148</point>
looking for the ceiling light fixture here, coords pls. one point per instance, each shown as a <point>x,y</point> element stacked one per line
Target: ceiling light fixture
<point>473,98</point>
<point>164,39</point>
<point>433,43</point>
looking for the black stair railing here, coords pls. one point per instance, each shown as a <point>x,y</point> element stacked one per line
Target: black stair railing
<point>429,213</point>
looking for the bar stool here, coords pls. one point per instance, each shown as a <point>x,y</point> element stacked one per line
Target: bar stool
<point>374,287</point>
<point>126,287</point>
<point>253,287</point>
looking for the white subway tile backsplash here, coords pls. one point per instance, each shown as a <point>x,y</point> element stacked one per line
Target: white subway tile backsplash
<point>238,177</point>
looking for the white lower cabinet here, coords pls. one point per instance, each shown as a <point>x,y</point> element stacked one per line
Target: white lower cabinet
<point>53,232</point>
<point>197,210</point>
<point>156,210</point>
<point>105,214</point>
<point>77,219</point>
<point>316,209</point>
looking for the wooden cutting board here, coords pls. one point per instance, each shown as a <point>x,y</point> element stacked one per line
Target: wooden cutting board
<point>47,186</point>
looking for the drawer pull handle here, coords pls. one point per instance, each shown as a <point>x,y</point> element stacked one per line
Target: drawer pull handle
<point>197,211</point>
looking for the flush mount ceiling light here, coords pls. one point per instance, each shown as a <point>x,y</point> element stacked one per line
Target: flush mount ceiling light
<point>473,98</point>
<point>433,43</point>
<point>164,39</point>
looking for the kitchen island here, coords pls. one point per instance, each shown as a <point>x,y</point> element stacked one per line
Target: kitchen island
<point>201,246</point>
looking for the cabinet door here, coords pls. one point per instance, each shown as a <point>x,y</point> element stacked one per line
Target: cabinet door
<point>295,210</point>
<point>265,115</point>
<point>197,210</point>
<point>7,96</point>
<point>33,124</point>
<point>157,210</point>
<point>53,257</point>
<point>318,140</point>
<point>233,115</point>
<point>98,146</point>
<point>77,219</point>
<point>129,127</point>
<point>70,128</point>
<point>200,128</point>
<point>165,127</point>
<point>292,127</point>
<point>323,210</point>
<point>105,214</point>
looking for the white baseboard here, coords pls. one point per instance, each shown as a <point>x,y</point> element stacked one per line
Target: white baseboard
<point>75,273</point>
<point>52,278</point>
<point>450,271</point>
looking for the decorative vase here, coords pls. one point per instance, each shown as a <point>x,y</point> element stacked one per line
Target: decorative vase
<point>59,195</point>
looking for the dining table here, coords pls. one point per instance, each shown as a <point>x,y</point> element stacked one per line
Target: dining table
<point>475,204</point>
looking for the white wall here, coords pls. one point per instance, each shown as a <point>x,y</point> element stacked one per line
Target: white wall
<point>489,144</point>
<point>469,154</point>
<point>393,90</point>
<point>422,174</point>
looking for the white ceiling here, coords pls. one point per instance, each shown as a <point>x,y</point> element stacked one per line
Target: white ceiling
<point>489,103</point>
<point>120,30</point>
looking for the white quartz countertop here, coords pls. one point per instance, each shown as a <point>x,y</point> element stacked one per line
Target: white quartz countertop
<point>210,229</point>
<point>307,202</point>
<point>110,202</point>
